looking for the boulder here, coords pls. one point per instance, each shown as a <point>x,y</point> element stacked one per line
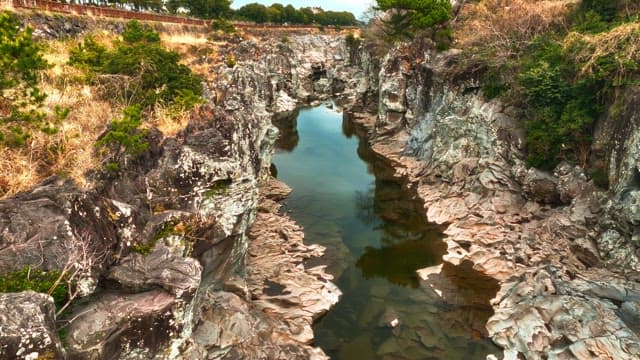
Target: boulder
<point>541,187</point>
<point>27,327</point>
<point>57,225</point>
<point>177,275</point>
<point>117,326</point>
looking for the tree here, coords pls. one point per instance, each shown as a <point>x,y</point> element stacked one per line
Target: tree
<point>205,9</point>
<point>405,17</point>
<point>253,12</point>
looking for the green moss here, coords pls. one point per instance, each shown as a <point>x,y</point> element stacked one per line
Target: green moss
<point>173,227</point>
<point>219,187</point>
<point>37,280</point>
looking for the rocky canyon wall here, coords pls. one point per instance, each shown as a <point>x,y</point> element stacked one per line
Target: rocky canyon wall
<point>568,288</point>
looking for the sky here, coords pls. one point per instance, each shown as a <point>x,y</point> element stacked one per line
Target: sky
<point>357,7</point>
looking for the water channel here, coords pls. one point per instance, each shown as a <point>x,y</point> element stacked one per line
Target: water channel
<point>376,237</point>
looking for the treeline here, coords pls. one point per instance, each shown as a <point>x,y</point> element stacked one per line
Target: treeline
<point>280,14</point>
<point>216,9</point>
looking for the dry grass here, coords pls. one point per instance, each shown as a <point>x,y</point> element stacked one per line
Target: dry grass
<point>70,151</point>
<point>500,29</point>
<point>169,120</point>
<point>195,49</point>
<point>622,41</point>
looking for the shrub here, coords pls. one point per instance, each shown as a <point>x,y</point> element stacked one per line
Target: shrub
<point>125,136</point>
<point>562,105</point>
<point>88,53</point>
<point>20,98</point>
<point>223,25</point>
<point>230,61</point>
<point>155,72</point>
<point>405,18</point>
<point>352,41</point>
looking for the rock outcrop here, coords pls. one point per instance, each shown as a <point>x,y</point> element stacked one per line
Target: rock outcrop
<point>28,330</point>
<point>176,242</point>
<point>462,154</point>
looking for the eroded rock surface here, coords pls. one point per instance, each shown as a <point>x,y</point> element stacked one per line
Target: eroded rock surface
<point>269,316</point>
<point>28,330</point>
<point>463,156</point>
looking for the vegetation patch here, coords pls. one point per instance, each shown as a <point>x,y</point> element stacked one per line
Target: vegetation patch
<point>48,282</point>
<point>154,74</point>
<point>561,61</point>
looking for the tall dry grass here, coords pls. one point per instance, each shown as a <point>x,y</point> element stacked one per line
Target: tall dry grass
<point>69,152</point>
<point>501,29</point>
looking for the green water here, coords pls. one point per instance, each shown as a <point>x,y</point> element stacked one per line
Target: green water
<point>376,238</point>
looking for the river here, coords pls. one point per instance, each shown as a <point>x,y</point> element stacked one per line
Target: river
<point>377,237</point>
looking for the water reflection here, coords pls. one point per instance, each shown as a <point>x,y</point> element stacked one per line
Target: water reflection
<point>376,237</point>
<point>287,124</point>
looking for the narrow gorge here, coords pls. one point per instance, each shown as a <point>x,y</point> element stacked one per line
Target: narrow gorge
<point>330,201</point>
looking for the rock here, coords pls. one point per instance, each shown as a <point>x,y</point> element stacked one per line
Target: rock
<point>389,318</point>
<point>541,187</point>
<point>177,275</point>
<point>117,325</point>
<point>27,327</point>
<point>57,225</point>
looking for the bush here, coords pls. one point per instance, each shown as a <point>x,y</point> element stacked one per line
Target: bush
<point>352,41</point>
<point>230,61</point>
<point>125,135</point>
<point>20,98</point>
<point>562,105</point>
<point>89,54</point>
<point>406,18</point>
<point>155,71</point>
<point>223,25</point>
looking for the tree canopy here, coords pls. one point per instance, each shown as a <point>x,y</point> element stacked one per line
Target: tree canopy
<point>205,9</point>
<point>280,14</point>
<point>405,17</point>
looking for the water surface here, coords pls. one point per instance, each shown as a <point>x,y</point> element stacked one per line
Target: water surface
<point>376,238</point>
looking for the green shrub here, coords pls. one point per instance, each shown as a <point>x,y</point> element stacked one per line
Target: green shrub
<point>38,281</point>
<point>443,38</point>
<point>88,53</point>
<point>562,106</point>
<point>20,98</point>
<point>230,61</point>
<point>223,25</point>
<point>125,135</point>
<point>134,32</point>
<point>155,72</point>
<point>352,41</point>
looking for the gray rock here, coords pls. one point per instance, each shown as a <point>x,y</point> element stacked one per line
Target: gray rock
<point>121,326</point>
<point>27,327</point>
<point>177,275</point>
<point>541,186</point>
<point>57,225</point>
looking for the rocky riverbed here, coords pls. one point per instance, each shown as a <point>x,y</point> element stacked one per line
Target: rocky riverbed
<point>225,277</point>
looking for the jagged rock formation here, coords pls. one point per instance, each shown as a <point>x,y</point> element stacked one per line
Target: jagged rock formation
<point>212,285</point>
<point>463,156</point>
<point>217,282</point>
